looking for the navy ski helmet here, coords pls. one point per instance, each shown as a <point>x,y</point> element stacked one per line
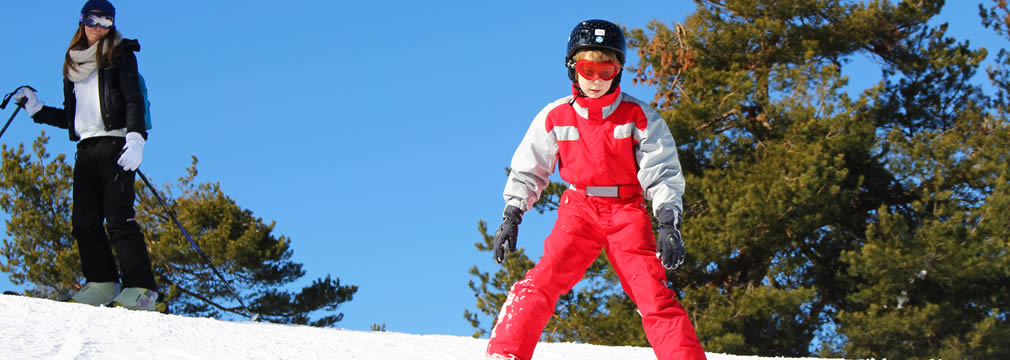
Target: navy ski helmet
<point>595,34</point>
<point>103,6</point>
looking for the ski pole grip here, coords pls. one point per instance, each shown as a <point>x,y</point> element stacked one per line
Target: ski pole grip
<point>7,98</point>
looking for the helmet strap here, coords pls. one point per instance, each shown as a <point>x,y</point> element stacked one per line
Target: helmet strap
<point>616,83</point>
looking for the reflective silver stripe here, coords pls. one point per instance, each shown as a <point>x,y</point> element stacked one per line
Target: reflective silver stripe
<point>624,131</point>
<point>566,133</point>
<point>603,191</point>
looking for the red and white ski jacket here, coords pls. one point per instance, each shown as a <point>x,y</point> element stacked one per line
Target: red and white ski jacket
<point>612,140</point>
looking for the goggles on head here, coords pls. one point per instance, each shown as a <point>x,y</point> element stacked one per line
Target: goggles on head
<point>92,20</point>
<point>591,70</point>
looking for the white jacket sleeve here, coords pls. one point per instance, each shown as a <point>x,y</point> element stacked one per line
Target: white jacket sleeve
<point>659,169</point>
<point>533,163</point>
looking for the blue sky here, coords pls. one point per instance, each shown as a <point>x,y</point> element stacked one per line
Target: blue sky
<point>374,133</point>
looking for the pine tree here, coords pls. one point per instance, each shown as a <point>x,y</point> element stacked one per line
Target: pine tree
<point>39,248</point>
<point>35,192</point>
<point>934,272</point>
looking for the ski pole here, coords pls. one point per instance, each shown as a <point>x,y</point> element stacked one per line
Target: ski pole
<point>20,104</point>
<point>196,247</point>
<point>9,120</point>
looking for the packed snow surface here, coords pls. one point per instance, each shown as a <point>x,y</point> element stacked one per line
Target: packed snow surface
<point>42,329</point>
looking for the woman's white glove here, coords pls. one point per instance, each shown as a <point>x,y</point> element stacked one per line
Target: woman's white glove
<point>133,152</point>
<point>31,103</point>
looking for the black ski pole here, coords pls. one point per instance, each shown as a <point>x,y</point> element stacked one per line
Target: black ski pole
<point>9,120</point>
<point>20,104</point>
<point>196,247</point>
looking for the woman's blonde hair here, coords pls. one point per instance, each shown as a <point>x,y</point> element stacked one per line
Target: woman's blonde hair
<point>596,55</point>
<point>106,53</point>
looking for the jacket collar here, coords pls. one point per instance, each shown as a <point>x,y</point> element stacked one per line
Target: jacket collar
<point>596,109</point>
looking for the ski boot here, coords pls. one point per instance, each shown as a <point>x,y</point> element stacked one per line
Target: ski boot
<point>134,298</point>
<point>96,293</point>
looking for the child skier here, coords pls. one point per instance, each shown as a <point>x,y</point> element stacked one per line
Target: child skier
<point>615,151</point>
<point>104,111</point>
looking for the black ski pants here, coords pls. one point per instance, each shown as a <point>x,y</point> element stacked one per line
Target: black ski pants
<point>103,192</point>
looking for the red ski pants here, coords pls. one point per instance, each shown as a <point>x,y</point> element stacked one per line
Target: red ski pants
<point>586,225</point>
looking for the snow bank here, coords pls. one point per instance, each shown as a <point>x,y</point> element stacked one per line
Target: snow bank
<point>42,329</point>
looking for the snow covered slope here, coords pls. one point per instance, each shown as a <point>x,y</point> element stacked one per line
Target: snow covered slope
<point>41,329</point>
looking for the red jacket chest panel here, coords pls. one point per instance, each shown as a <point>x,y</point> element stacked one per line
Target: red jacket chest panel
<point>597,151</point>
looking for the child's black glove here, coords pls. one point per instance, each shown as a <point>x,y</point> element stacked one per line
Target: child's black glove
<point>505,237</point>
<point>669,246</point>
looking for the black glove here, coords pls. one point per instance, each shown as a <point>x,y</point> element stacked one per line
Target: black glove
<point>669,246</point>
<point>505,237</point>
